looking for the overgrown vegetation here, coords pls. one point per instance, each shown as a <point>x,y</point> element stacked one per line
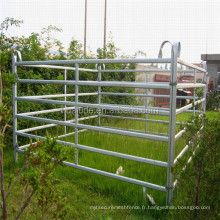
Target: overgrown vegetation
<point>36,184</point>
<point>198,186</point>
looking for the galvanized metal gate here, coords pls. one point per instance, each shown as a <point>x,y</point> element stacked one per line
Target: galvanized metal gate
<point>172,111</point>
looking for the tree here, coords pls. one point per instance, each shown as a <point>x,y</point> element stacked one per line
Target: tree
<point>33,177</point>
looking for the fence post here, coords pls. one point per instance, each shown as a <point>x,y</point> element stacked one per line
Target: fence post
<point>14,88</point>
<point>99,94</point>
<point>172,121</point>
<point>146,116</point>
<point>65,78</point>
<point>76,111</point>
<point>194,94</point>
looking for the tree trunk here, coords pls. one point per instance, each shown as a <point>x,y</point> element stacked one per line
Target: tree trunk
<point>4,204</point>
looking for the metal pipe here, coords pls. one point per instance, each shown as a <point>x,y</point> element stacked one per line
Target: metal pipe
<point>59,95</point>
<point>103,83</point>
<point>113,176</point>
<point>65,78</point>
<point>143,70</point>
<point>190,85</point>
<point>181,154</point>
<point>99,94</point>
<point>146,99</point>
<point>178,111</point>
<point>76,112</point>
<point>14,88</point>
<point>144,95</point>
<point>94,61</point>
<point>138,119</point>
<point>119,108</point>
<point>190,65</point>
<point>172,125</point>
<point>60,67</point>
<point>100,151</point>
<point>53,125</point>
<point>95,128</point>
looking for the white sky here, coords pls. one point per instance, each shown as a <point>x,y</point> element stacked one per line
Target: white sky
<point>135,24</point>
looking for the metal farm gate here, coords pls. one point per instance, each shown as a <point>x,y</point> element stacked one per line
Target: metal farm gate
<point>98,64</point>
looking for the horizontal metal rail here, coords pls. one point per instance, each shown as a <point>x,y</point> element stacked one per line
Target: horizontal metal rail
<point>142,70</point>
<point>101,151</point>
<point>119,108</point>
<point>179,134</point>
<point>113,176</point>
<point>60,136</point>
<point>94,61</point>
<point>150,85</point>
<point>145,95</point>
<point>178,111</point>
<point>53,125</point>
<point>62,67</point>
<point>191,65</point>
<point>190,85</point>
<point>69,134</point>
<point>139,131</point>
<point>59,95</point>
<point>95,128</point>
<point>48,111</point>
<point>181,154</point>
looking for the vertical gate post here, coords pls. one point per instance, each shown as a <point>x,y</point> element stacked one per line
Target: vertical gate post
<point>65,78</point>
<point>14,104</point>
<point>99,94</point>
<point>194,94</point>
<point>204,81</point>
<point>172,121</point>
<point>146,116</point>
<point>76,111</point>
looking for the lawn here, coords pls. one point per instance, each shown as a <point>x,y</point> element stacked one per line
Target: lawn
<point>84,189</point>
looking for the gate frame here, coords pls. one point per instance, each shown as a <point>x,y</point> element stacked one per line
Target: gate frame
<point>171,112</point>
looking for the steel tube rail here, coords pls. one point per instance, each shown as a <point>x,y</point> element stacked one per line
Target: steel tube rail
<point>95,61</point>
<point>69,134</point>
<point>101,106</point>
<point>52,125</point>
<point>60,67</point>
<point>179,134</point>
<point>178,111</point>
<point>100,151</point>
<point>102,83</point>
<point>95,128</point>
<point>181,154</point>
<point>113,176</point>
<point>137,119</point>
<point>60,136</point>
<point>48,111</point>
<point>146,95</point>
<point>143,70</point>
<point>190,85</point>
<point>59,95</point>
<point>190,65</point>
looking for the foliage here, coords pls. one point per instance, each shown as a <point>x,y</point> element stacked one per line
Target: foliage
<point>34,180</point>
<point>213,101</point>
<point>198,184</point>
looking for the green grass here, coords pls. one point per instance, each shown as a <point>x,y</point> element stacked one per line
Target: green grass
<point>84,189</point>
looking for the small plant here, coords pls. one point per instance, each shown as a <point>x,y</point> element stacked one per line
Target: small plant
<point>34,180</point>
<point>198,186</point>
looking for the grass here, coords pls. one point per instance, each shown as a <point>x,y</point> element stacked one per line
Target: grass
<point>84,189</point>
